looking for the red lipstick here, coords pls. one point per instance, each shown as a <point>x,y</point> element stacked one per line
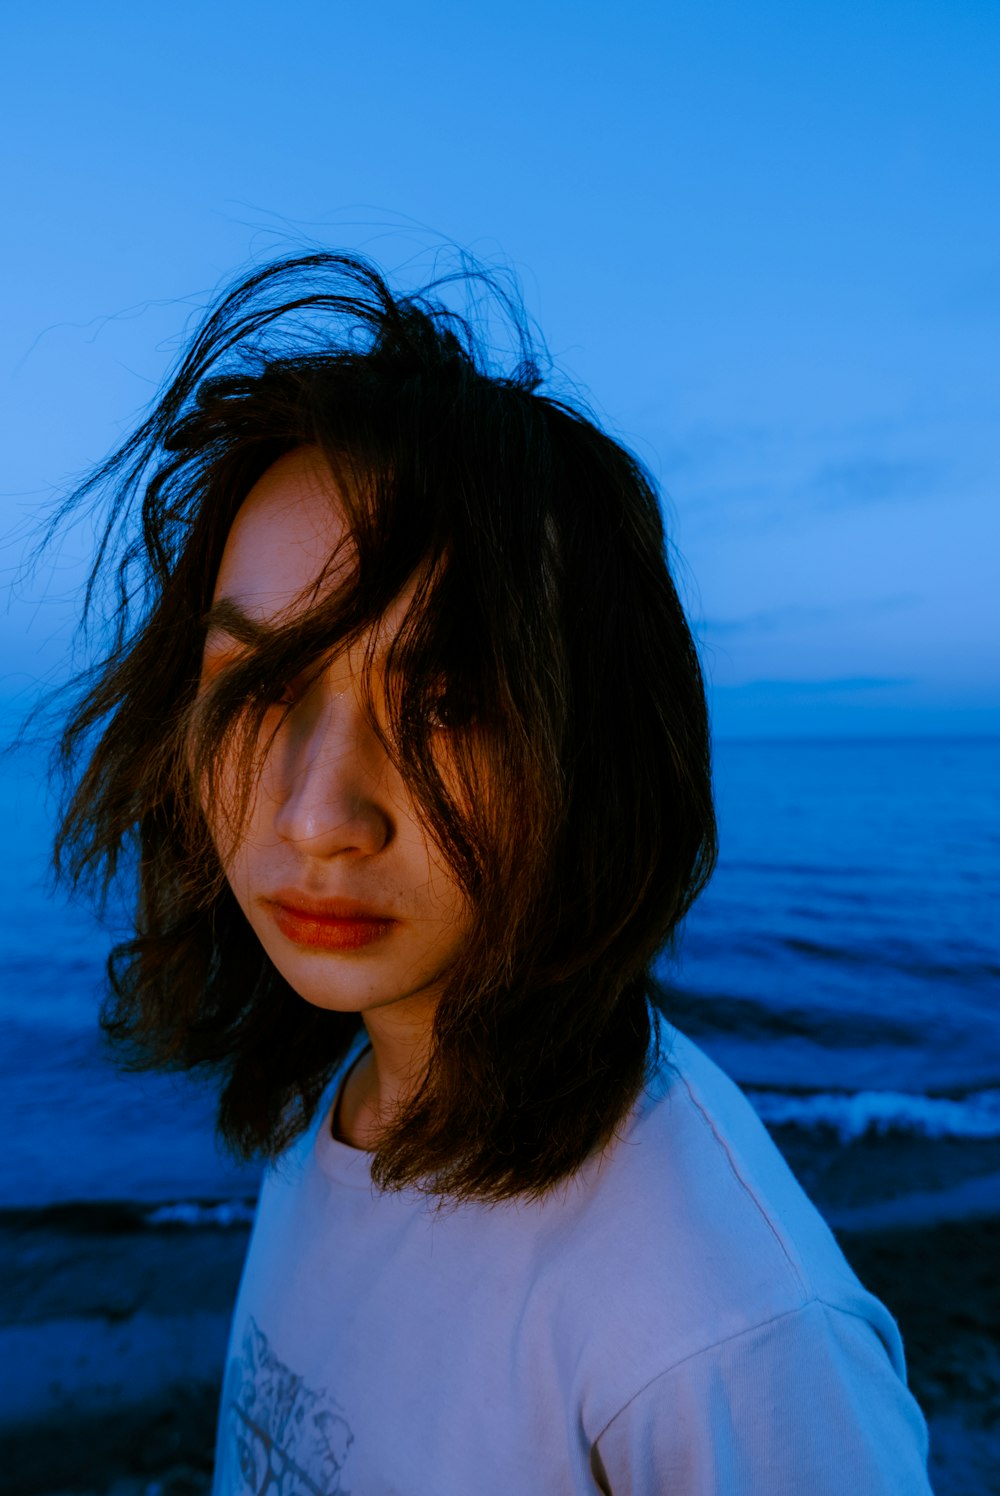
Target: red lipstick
<point>329,924</point>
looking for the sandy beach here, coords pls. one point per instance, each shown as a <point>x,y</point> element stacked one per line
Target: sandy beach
<point>113,1337</point>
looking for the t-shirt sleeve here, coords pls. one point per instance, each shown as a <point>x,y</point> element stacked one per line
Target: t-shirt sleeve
<point>808,1402</point>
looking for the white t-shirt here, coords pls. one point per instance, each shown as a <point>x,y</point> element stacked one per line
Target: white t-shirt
<point>676,1320</point>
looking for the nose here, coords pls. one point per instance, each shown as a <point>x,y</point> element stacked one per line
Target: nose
<point>329,777</point>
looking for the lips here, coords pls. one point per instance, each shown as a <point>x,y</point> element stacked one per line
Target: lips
<point>306,905</point>
<point>330,924</point>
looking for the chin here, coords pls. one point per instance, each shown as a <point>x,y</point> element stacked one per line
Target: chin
<point>342,996</point>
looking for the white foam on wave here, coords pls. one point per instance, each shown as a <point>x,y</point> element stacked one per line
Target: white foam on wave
<point>854,1114</point>
<point>191,1213</point>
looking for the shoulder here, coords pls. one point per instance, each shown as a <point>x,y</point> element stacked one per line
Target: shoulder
<point>692,1231</point>
<point>696,1165</point>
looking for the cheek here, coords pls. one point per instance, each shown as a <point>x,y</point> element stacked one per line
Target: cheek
<point>444,892</point>
<point>229,819</point>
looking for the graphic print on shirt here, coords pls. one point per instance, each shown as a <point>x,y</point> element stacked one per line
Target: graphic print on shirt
<point>281,1437</point>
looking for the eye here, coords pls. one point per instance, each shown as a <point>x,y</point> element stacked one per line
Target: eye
<point>450,709</point>
<point>282,696</point>
<point>285,693</point>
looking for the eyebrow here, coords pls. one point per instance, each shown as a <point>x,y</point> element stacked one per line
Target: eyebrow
<point>227,617</point>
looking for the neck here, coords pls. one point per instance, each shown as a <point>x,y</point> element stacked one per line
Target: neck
<point>386,1074</point>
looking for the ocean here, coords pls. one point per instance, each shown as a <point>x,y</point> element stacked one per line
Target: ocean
<point>842,966</point>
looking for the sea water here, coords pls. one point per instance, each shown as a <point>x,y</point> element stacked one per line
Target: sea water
<point>843,966</point>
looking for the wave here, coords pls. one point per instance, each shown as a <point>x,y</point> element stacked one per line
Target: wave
<point>196,1214</point>
<point>857,1114</point>
<point>121,1217</point>
<point>710,1014</point>
<point>882,957</point>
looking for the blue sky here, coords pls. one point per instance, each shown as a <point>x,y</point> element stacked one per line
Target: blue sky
<point>764,239</point>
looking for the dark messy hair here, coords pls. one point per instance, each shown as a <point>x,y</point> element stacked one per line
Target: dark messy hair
<point>546,631</point>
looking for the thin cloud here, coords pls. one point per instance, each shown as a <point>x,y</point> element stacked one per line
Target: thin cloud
<point>821,687</point>
<point>876,480</point>
<point>796,615</point>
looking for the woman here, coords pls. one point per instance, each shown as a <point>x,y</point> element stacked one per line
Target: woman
<point>412,739</point>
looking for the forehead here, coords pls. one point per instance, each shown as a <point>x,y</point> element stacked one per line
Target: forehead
<point>284,535</point>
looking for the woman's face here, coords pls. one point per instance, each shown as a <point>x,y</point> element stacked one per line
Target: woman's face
<point>331,819</point>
